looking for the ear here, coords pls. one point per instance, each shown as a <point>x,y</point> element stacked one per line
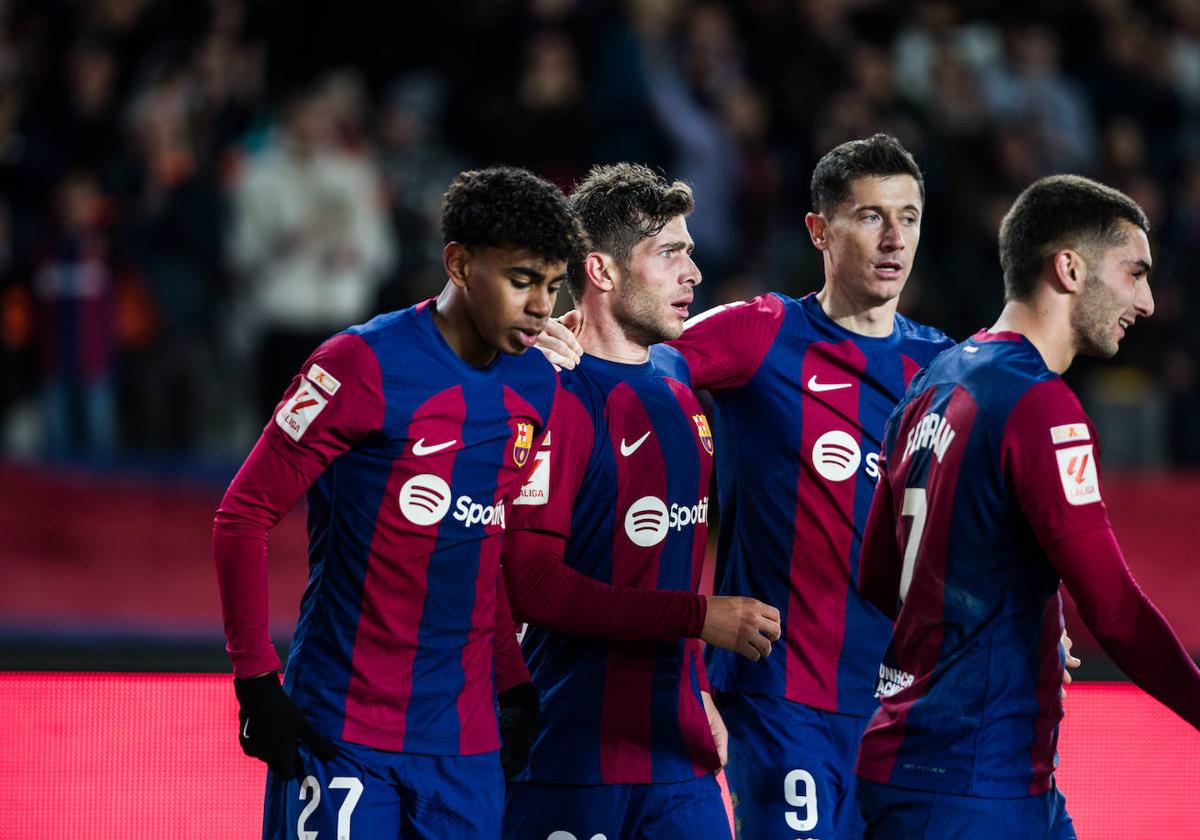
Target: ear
<point>1069,271</point>
<point>817,226</point>
<point>600,270</point>
<point>456,259</point>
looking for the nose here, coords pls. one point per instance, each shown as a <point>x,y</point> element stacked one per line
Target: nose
<point>893,237</point>
<point>540,302</point>
<point>1143,300</point>
<point>692,276</point>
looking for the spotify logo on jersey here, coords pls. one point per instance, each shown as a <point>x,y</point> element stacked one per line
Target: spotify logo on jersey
<point>424,499</point>
<point>646,521</point>
<point>836,455</point>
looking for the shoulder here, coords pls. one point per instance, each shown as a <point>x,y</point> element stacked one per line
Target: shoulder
<point>930,338</point>
<point>764,309</point>
<point>670,362</point>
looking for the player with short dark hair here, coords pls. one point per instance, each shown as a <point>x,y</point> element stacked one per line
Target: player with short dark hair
<point>989,496</point>
<point>607,541</point>
<point>802,389</point>
<point>409,433</point>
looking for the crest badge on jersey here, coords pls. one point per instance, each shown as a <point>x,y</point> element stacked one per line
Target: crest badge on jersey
<point>704,431</point>
<point>1077,471</point>
<point>523,443</point>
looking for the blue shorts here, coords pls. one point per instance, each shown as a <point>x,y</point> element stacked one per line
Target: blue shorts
<point>366,793</point>
<point>791,768</point>
<point>894,813</point>
<point>688,810</point>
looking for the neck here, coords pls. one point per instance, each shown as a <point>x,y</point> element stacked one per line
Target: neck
<point>454,323</point>
<point>1031,319</point>
<point>601,335</point>
<point>869,318</point>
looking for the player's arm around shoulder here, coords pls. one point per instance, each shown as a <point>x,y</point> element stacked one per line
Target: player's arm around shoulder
<point>725,346</point>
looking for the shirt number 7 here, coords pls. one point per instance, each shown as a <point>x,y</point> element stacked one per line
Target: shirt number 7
<point>914,505</point>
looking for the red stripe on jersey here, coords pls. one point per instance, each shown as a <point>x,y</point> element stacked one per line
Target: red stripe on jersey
<point>911,369</point>
<point>823,533</point>
<point>917,639</point>
<point>396,581</point>
<point>629,670</point>
<point>1049,695</point>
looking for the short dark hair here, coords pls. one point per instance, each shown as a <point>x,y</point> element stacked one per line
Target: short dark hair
<point>1061,211</point>
<point>505,205</point>
<point>621,204</point>
<point>879,155</point>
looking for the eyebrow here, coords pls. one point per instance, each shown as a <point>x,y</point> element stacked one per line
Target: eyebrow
<point>879,208</point>
<point>680,245</point>
<point>533,275</point>
<point>1141,265</point>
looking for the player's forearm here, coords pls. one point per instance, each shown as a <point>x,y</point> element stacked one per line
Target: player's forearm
<point>546,592</point>
<point>1129,628</point>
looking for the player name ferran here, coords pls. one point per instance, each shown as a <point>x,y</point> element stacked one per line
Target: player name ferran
<point>932,431</point>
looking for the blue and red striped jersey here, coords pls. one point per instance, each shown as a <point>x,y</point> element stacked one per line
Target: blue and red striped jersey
<point>408,455</point>
<point>989,463</point>
<point>801,405</point>
<point>622,482</point>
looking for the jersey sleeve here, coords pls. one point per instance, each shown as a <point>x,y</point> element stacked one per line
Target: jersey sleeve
<point>543,589</point>
<point>1128,626</point>
<point>510,664</point>
<point>334,402</point>
<point>879,565</point>
<point>1049,458</point>
<point>725,346</point>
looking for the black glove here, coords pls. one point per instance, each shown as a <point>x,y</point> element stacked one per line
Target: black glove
<point>270,726</point>
<point>519,709</point>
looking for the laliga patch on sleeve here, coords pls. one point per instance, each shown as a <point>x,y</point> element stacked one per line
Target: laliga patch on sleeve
<point>536,490</point>
<point>298,412</point>
<point>1069,433</point>
<point>323,380</point>
<point>1077,471</point>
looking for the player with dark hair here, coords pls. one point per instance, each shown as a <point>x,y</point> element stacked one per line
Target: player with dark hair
<point>989,496</point>
<point>607,540</point>
<point>408,433</point>
<point>803,388</point>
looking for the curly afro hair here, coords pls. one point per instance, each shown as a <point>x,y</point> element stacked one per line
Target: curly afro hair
<point>505,205</point>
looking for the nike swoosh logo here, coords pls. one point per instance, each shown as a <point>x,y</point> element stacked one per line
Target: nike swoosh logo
<point>246,729</point>
<point>818,387</point>
<point>629,449</point>
<point>419,448</point>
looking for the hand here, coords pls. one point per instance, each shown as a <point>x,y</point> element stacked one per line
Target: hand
<point>519,708</point>
<point>558,342</point>
<point>271,727</point>
<point>742,625</point>
<point>1071,661</point>
<point>716,725</point>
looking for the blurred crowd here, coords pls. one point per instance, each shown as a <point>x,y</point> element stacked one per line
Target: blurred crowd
<point>194,193</point>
